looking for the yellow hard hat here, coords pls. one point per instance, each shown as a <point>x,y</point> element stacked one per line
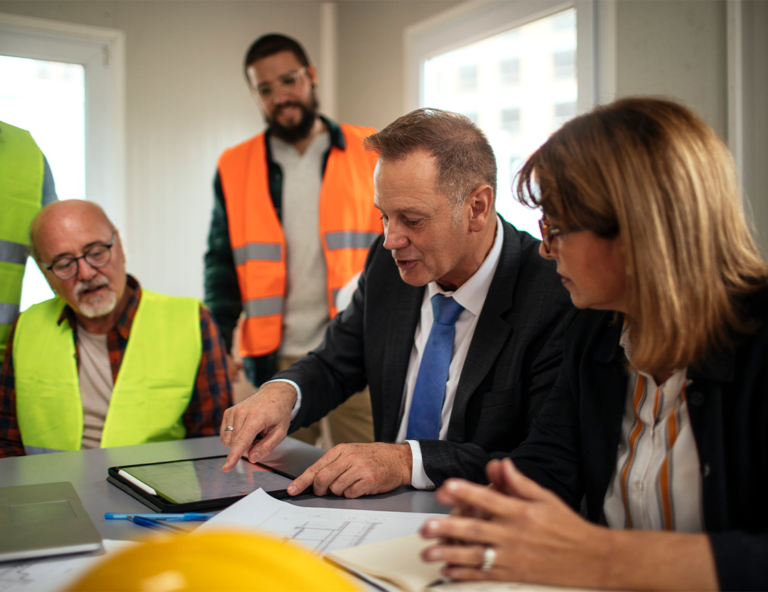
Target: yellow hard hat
<point>223,560</point>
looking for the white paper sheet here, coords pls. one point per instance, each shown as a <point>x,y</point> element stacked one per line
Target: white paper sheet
<point>51,573</point>
<point>320,529</point>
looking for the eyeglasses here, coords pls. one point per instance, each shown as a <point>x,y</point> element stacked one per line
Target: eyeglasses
<point>286,83</point>
<point>549,232</point>
<point>96,256</point>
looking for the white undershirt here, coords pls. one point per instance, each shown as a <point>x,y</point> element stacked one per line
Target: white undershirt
<point>305,314</point>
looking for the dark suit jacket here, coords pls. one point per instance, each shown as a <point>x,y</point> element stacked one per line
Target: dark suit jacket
<point>510,367</point>
<point>573,443</point>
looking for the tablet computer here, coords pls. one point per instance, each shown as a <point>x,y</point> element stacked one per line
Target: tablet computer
<point>197,484</point>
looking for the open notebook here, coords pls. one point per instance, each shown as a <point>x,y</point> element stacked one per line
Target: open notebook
<point>396,565</point>
<point>395,562</point>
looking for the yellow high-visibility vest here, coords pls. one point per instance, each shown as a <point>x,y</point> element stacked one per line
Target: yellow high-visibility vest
<point>21,191</point>
<point>152,390</point>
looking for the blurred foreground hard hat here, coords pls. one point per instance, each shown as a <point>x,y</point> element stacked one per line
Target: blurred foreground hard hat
<point>223,560</point>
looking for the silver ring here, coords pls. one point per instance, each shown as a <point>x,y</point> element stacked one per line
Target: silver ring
<point>229,428</point>
<point>489,558</point>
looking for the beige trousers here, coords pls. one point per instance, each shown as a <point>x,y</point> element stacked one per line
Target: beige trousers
<point>352,421</point>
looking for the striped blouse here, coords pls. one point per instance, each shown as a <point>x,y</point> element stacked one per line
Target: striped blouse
<point>657,481</point>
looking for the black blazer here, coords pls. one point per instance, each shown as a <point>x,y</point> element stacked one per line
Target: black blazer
<point>510,367</point>
<point>573,443</point>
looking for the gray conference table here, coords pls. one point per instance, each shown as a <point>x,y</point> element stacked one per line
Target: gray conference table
<point>87,471</point>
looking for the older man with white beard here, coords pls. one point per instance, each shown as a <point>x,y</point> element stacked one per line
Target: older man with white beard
<point>105,363</point>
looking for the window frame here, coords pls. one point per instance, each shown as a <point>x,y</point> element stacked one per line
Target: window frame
<point>101,52</point>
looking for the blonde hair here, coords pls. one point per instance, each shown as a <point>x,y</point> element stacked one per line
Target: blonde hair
<point>653,173</point>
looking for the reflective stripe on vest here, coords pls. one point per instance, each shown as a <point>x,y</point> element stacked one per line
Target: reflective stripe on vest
<point>153,387</point>
<point>21,190</point>
<point>349,223</point>
<point>350,240</point>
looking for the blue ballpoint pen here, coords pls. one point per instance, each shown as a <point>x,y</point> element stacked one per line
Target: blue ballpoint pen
<point>185,517</point>
<point>156,524</point>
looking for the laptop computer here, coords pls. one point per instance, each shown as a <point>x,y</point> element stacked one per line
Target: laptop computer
<point>44,519</point>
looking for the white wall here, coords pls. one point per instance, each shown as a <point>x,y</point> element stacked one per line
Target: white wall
<point>676,49</point>
<point>371,73</point>
<point>755,115</point>
<point>186,100</point>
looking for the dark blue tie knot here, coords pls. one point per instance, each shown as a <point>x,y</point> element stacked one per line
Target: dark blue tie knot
<point>445,309</point>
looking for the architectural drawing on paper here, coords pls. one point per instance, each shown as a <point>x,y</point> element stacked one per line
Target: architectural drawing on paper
<point>325,535</point>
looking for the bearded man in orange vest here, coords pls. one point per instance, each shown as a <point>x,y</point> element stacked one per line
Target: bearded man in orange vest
<point>293,219</point>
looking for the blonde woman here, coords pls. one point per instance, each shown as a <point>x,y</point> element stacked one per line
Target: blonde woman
<point>657,427</point>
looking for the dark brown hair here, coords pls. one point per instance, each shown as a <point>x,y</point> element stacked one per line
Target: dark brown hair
<point>270,44</point>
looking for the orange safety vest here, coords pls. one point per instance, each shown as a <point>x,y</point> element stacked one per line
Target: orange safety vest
<point>349,224</point>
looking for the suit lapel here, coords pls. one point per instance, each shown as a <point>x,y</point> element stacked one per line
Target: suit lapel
<point>491,332</point>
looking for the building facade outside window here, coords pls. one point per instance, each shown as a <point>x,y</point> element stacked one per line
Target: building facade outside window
<point>519,86</point>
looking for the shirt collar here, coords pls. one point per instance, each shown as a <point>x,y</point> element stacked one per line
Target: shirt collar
<point>472,293</point>
<point>337,136</point>
<point>124,323</point>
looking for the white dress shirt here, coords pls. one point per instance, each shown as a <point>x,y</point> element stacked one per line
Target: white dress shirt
<point>471,295</point>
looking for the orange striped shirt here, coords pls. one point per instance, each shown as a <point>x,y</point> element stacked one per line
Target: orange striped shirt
<point>657,481</point>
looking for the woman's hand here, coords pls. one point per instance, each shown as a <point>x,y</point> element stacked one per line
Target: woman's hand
<point>536,537</point>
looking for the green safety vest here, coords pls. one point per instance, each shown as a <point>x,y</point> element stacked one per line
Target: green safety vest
<point>152,390</point>
<point>21,191</point>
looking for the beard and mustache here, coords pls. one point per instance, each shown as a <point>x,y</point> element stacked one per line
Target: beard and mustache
<point>104,304</point>
<point>302,129</point>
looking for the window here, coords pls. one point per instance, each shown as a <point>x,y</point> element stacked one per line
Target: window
<point>564,64</point>
<point>563,112</point>
<point>510,120</point>
<point>495,35</point>
<point>468,78</point>
<point>509,72</point>
<point>64,84</point>
<point>564,21</point>
<point>516,100</point>
<point>48,100</point>
<point>515,164</point>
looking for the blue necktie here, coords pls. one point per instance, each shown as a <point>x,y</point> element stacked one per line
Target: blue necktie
<point>428,395</point>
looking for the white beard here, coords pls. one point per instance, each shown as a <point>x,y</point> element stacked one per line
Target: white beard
<point>100,305</point>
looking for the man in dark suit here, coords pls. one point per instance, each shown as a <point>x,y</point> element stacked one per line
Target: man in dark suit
<point>449,390</point>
